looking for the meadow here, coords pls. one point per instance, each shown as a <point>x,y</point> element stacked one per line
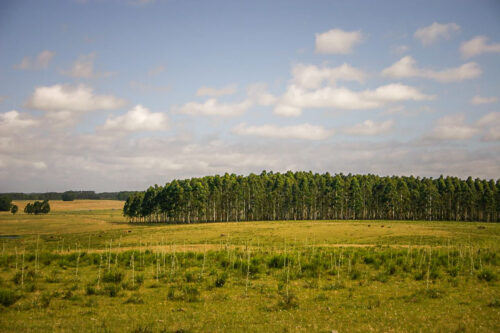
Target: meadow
<point>84,268</point>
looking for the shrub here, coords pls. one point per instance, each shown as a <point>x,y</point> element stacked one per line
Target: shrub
<point>17,278</point>
<point>494,303</point>
<point>113,276</point>
<point>220,281</point>
<point>8,297</point>
<point>111,290</point>
<point>355,274</point>
<point>486,275</point>
<point>90,289</point>
<point>189,276</point>
<point>288,301</point>
<point>191,294</point>
<point>44,300</point>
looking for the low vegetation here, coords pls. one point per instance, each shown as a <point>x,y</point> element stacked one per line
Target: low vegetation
<point>318,276</point>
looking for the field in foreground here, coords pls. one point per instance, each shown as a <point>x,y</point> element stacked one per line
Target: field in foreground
<point>83,268</point>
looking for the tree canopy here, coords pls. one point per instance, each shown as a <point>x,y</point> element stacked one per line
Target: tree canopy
<point>5,202</point>
<point>37,207</point>
<point>313,196</point>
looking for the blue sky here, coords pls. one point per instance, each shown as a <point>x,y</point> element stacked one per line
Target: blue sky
<point>117,95</point>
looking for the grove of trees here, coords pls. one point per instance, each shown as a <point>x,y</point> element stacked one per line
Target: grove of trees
<point>313,196</point>
<point>5,203</point>
<point>38,207</point>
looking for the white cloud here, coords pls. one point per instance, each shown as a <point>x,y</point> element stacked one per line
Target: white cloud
<point>213,108</point>
<point>477,100</point>
<point>137,119</point>
<point>490,119</point>
<point>406,67</point>
<point>478,45</point>
<point>40,165</point>
<point>13,121</point>
<point>303,131</point>
<point>208,91</point>
<point>492,134</point>
<point>452,127</point>
<point>71,98</point>
<point>295,98</point>
<point>258,94</point>
<point>287,110</point>
<point>83,68</point>
<point>312,77</point>
<point>430,34</point>
<point>370,127</point>
<point>42,61</point>
<point>337,41</point>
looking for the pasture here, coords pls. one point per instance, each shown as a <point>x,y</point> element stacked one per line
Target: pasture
<point>84,268</point>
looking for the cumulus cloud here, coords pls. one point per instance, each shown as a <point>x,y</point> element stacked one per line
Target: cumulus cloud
<point>213,108</point>
<point>303,131</point>
<point>209,91</point>
<point>492,118</point>
<point>478,45</point>
<point>491,123</point>
<point>296,98</point>
<point>337,41</point>
<point>83,68</point>
<point>13,121</point>
<point>452,127</point>
<point>432,33</point>
<point>41,61</point>
<point>370,127</point>
<point>137,119</point>
<point>79,98</point>
<point>258,94</point>
<point>406,68</point>
<point>40,165</point>
<point>477,100</point>
<point>312,77</point>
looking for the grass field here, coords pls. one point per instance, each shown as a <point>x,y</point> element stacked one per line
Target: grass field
<point>84,268</point>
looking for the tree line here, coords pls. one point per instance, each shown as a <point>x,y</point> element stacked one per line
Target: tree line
<point>69,195</point>
<point>313,196</point>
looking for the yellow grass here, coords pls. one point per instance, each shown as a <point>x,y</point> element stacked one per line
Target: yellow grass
<point>76,205</point>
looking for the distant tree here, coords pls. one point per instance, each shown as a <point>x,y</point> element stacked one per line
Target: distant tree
<point>28,209</point>
<point>38,207</point>
<point>45,207</point>
<point>5,202</point>
<point>68,196</point>
<point>14,209</point>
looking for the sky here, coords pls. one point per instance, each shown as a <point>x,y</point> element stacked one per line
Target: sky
<point>111,95</point>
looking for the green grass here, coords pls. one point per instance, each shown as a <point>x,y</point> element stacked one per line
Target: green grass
<point>289,276</point>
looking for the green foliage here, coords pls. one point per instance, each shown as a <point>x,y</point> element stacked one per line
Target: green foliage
<point>308,196</point>
<point>37,207</point>
<point>5,203</point>
<point>487,275</point>
<point>113,276</point>
<point>8,297</point>
<point>14,209</point>
<point>112,290</point>
<point>221,279</point>
<point>68,196</point>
